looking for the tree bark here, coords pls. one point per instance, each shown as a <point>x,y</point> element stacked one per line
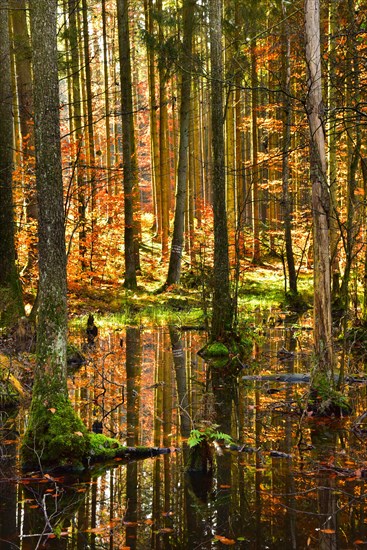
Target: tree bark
<point>222,303</point>
<point>128,145</point>
<point>174,269</point>
<point>10,290</point>
<point>287,121</point>
<point>320,195</point>
<point>54,431</point>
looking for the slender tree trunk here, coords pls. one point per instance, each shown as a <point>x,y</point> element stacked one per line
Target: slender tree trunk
<point>354,151</point>
<point>10,290</point>
<point>287,121</point>
<point>107,97</point>
<point>320,195</point>
<point>22,51</point>
<point>174,269</point>
<point>78,128</point>
<point>256,257</point>
<point>222,304</point>
<point>128,137</point>
<point>155,170</point>
<point>333,145</point>
<point>90,127</point>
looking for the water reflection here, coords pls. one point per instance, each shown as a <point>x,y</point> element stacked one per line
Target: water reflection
<point>149,387</point>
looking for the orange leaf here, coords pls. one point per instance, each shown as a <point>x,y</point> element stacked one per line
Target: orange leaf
<point>52,410</point>
<point>327,531</point>
<point>96,530</point>
<point>224,540</point>
<point>78,433</point>
<point>166,530</point>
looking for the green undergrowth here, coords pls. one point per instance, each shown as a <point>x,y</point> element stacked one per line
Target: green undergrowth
<point>261,290</point>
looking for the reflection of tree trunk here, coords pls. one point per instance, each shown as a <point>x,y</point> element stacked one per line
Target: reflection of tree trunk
<point>131,514</point>
<point>133,379</point>
<point>179,361</point>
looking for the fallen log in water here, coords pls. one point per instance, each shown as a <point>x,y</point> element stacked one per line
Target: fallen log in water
<point>299,378</point>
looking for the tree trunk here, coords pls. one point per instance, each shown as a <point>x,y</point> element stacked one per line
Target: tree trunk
<point>222,304</point>
<point>10,290</point>
<point>128,141</point>
<point>54,431</point>
<point>90,150</point>
<point>174,269</point>
<point>320,195</point>
<point>287,121</point>
<point>256,256</point>
<point>23,70</point>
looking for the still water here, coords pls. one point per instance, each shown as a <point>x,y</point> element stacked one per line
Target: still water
<point>297,483</point>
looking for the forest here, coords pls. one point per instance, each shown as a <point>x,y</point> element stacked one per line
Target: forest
<point>183,273</point>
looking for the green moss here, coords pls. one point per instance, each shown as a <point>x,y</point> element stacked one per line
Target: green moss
<point>103,447</point>
<point>56,436</point>
<point>216,349</point>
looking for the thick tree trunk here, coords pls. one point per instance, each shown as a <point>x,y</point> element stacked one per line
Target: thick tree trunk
<point>174,269</point>
<point>222,303</point>
<point>320,194</point>
<point>54,431</point>
<point>10,290</point>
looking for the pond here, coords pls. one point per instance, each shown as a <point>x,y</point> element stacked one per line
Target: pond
<point>287,481</point>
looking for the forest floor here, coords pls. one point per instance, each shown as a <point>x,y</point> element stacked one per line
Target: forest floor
<point>260,290</point>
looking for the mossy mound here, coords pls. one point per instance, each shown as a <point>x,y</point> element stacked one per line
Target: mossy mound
<point>55,437</point>
<point>216,349</point>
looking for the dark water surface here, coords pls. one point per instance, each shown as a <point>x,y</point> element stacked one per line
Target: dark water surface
<point>299,482</point>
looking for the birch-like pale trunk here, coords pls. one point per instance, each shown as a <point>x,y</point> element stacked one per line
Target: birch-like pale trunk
<point>320,193</point>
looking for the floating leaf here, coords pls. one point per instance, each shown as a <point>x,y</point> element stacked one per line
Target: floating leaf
<point>327,531</point>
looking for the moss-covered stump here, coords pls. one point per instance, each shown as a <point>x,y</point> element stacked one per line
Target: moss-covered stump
<point>55,436</point>
<point>60,441</point>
